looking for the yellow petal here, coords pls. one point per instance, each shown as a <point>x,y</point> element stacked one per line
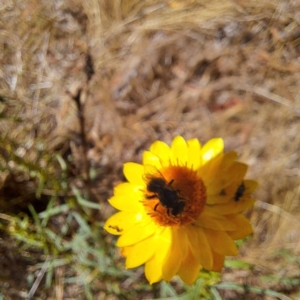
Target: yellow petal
<point>163,151</point>
<point>137,233</point>
<point>214,168</point>
<point>199,246</point>
<point>153,267</point>
<point>250,185</point>
<point>236,172</point>
<point>130,203</point>
<point>127,188</point>
<point>211,149</point>
<point>228,160</point>
<point>134,173</point>
<point>218,262</point>
<point>194,156</point>
<point>224,195</point>
<point>141,252</point>
<point>233,207</point>
<point>121,221</point>
<point>244,227</point>
<point>126,250</point>
<point>208,171</point>
<point>221,242</point>
<point>153,272</point>
<point>179,151</point>
<point>189,269</point>
<point>151,159</point>
<point>177,252</point>
<point>216,222</point>
<point>218,199</point>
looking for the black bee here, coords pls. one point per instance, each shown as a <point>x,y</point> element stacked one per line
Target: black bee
<point>167,195</point>
<point>239,192</point>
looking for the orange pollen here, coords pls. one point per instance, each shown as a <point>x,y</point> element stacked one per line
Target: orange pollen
<point>174,196</point>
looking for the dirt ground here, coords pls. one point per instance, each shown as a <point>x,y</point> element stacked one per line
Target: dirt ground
<point>139,71</point>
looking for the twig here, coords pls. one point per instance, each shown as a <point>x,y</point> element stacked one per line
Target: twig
<point>89,71</point>
<point>81,117</point>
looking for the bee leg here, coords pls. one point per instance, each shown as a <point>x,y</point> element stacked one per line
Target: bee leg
<point>149,197</point>
<point>169,212</point>
<point>156,206</point>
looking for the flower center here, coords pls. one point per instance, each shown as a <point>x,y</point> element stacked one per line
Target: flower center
<point>174,196</point>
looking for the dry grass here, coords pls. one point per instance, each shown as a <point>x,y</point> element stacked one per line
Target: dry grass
<point>161,68</point>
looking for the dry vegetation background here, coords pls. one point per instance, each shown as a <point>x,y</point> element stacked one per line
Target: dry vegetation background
<point>139,71</point>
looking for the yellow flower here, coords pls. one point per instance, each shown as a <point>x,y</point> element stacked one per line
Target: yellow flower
<point>181,209</point>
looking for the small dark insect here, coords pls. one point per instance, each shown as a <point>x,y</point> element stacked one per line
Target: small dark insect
<point>115,228</point>
<point>239,192</point>
<point>167,195</point>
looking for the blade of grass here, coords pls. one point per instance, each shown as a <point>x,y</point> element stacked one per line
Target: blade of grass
<point>253,289</point>
<point>83,202</point>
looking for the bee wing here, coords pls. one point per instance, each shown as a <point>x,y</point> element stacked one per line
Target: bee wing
<point>151,172</point>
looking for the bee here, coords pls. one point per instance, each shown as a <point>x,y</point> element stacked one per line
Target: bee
<point>167,195</point>
<point>239,192</point>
